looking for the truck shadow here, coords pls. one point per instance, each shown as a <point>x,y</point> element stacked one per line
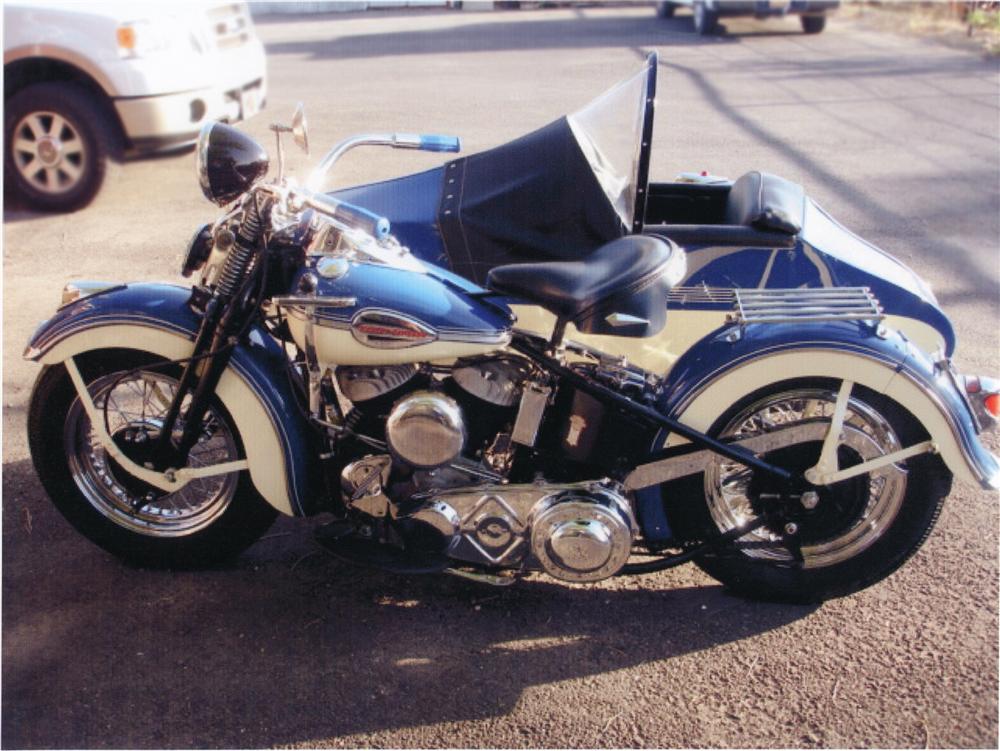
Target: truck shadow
<point>288,646</point>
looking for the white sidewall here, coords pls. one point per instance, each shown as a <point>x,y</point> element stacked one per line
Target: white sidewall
<point>732,386</point>
<point>260,441</point>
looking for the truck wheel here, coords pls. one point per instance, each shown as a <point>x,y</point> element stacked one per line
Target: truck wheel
<point>208,520</point>
<point>706,20</point>
<point>58,140</point>
<point>813,24</point>
<point>665,10</point>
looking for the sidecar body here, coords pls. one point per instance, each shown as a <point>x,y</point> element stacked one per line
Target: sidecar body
<point>775,287</point>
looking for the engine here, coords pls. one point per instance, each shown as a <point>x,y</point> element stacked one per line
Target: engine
<point>449,446</point>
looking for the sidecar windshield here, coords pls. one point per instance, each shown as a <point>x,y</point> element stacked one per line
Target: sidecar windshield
<point>614,133</point>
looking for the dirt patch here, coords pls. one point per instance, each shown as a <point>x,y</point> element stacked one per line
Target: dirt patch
<point>971,26</point>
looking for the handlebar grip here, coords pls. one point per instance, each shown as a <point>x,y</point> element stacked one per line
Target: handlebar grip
<point>353,216</point>
<point>440,143</point>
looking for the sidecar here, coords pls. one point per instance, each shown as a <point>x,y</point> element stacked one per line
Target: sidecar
<point>776,290</point>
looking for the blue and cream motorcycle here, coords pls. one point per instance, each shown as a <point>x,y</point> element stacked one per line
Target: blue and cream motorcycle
<point>530,359</point>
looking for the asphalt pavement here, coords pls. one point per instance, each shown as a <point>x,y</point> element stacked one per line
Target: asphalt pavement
<point>894,135</point>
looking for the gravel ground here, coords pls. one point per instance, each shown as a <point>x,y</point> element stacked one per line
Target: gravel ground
<point>895,136</point>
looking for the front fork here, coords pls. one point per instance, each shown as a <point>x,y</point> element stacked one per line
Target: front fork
<point>225,314</point>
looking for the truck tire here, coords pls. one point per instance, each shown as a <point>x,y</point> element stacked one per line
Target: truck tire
<point>57,144</point>
<point>706,20</point>
<point>813,24</point>
<point>665,10</point>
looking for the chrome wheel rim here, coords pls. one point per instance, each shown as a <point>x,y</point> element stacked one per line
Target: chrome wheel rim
<point>137,404</point>
<point>866,435</point>
<point>49,152</point>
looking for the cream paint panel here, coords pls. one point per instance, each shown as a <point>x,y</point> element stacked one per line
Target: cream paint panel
<point>267,466</point>
<point>656,354</point>
<point>922,335</point>
<point>339,347</point>
<point>731,387</point>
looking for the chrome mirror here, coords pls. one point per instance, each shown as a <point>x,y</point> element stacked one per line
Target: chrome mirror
<point>300,132</point>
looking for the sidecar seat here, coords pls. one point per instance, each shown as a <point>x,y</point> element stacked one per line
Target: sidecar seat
<point>766,202</point>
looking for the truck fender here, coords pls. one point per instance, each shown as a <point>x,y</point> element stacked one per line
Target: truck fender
<point>280,446</point>
<point>733,362</point>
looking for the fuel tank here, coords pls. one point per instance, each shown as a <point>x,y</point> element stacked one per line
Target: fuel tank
<point>383,316</point>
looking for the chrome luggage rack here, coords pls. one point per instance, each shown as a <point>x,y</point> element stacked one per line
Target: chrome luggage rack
<point>752,305</point>
<point>805,305</point>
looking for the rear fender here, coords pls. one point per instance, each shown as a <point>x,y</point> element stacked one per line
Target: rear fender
<point>280,446</point>
<point>723,368</point>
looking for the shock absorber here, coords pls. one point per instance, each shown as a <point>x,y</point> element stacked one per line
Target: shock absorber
<point>241,255</point>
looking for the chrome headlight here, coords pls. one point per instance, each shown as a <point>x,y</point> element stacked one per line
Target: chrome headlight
<point>229,162</point>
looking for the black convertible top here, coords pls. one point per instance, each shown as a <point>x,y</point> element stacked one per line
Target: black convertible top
<point>532,199</point>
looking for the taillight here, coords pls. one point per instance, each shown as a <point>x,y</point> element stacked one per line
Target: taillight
<point>984,394</point>
<point>992,403</point>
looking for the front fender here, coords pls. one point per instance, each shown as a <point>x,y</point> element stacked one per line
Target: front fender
<point>722,368</point>
<point>280,446</point>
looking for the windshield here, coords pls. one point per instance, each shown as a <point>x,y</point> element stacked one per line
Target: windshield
<point>614,133</point>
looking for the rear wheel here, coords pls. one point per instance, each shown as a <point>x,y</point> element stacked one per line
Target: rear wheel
<point>842,537</point>
<point>209,519</point>
<point>813,24</point>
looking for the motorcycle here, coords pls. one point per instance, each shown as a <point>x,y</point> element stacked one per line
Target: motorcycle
<point>542,363</point>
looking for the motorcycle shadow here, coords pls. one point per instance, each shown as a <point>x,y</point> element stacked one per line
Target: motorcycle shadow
<point>288,645</point>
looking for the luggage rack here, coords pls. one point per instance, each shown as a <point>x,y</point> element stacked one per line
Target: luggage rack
<point>804,305</point>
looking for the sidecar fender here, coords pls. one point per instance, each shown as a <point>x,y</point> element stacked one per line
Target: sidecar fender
<point>733,362</point>
<point>254,389</point>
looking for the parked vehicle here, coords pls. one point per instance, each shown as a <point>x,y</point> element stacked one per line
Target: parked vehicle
<point>812,13</point>
<point>543,363</point>
<point>85,82</point>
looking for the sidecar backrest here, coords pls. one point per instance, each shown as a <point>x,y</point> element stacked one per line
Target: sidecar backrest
<point>766,202</point>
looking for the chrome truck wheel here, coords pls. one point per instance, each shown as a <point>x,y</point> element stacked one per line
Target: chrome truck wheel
<point>831,540</point>
<point>57,144</point>
<point>210,518</point>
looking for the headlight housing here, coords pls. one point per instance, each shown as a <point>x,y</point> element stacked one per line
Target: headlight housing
<point>229,162</point>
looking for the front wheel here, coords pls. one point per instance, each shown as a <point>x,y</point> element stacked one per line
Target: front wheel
<point>208,520</point>
<point>841,538</point>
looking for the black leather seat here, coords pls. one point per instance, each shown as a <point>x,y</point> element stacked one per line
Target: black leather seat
<point>571,289</point>
<point>766,202</point>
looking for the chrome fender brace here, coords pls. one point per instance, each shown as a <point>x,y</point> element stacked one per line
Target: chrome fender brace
<point>169,480</point>
<point>825,472</point>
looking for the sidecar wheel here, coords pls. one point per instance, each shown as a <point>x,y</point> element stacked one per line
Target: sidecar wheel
<point>209,520</point>
<point>856,533</point>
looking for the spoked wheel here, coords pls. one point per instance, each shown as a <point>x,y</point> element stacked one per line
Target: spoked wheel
<point>208,519</point>
<point>831,540</point>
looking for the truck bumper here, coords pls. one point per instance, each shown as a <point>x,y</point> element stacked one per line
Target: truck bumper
<point>156,122</point>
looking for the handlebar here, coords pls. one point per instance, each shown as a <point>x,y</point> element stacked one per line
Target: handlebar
<point>351,215</point>
<point>427,142</point>
<point>440,143</point>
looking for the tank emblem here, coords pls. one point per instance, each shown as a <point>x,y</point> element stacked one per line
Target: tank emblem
<point>384,329</point>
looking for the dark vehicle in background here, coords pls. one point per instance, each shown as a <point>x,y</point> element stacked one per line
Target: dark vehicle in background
<point>812,13</point>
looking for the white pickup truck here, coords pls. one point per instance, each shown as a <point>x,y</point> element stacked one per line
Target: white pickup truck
<point>85,82</point>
